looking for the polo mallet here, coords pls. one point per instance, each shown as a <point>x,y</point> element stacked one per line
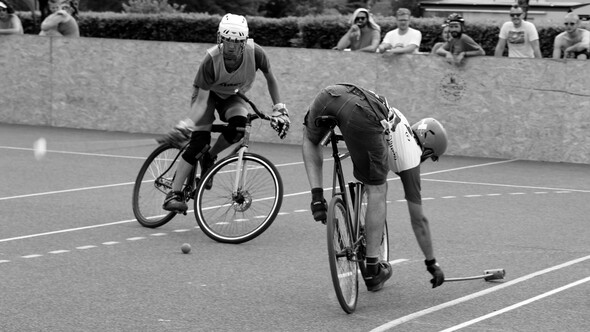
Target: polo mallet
<point>488,275</point>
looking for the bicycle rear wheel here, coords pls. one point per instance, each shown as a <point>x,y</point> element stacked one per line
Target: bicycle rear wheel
<point>343,264</point>
<point>151,185</point>
<point>236,216</point>
<point>384,249</point>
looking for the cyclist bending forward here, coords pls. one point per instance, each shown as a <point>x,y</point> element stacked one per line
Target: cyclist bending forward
<point>230,65</point>
<point>366,122</point>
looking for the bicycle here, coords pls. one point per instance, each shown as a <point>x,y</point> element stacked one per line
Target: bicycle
<point>346,225</point>
<point>243,201</point>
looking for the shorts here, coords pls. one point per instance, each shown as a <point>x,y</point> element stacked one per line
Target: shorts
<point>360,127</point>
<point>226,108</point>
<point>574,55</point>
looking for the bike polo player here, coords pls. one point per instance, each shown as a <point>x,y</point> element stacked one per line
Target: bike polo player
<point>363,118</point>
<point>230,65</point>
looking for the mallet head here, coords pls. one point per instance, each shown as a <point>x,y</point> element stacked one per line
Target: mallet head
<point>494,274</point>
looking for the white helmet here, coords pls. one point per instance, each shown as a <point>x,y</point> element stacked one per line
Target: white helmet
<point>233,27</point>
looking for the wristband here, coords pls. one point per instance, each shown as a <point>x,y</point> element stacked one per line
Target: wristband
<point>430,262</point>
<point>279,106</point>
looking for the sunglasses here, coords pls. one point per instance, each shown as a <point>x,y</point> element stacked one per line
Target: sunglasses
<point>515,15</point>
<point>360,18</point>
<point>567,23</point>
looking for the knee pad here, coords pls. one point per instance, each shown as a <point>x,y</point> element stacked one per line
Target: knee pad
<point>232,135</point>
<point>199,144</point>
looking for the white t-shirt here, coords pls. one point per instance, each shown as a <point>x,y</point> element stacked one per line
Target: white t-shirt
<point>411,37</point>
<point>519,39</point>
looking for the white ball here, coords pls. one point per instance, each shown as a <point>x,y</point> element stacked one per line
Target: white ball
<point>40,148</point>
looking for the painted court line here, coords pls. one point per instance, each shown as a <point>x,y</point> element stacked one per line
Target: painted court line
<point>517,305</point>
<point>407,318</point>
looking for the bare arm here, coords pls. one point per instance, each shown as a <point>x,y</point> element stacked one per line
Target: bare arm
<point>273,87</point>
<point>199,106</point>
<point>536,49</point>
<point>500,47</point>
<point>17,27</point>
<point>556,49</point>
<point>406,49</point>
<point>374,42</point>
<point>344,42</point>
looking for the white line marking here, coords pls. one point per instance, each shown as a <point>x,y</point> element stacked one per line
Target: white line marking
<point>4,261</point>
<point>302,210</point>
<point>541,192</point>
<point>76,153</point>
<point>136,238</point>
<point>516,193</point>
<point>469,196</point>
<point>493,194</point>
<point>110,243</point>
<point>66,230</point>
<point>158,234</point>
<point>32,256</point>
<point>59,252</point>
<point>504,185</point>
<point>514,306</point>
<point>449,197</point>
<point>181,230</point>
<point>441,306</point>
<point>66,191</point>
<point>85,247</point>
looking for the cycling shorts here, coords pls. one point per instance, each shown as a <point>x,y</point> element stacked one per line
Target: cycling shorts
<point>360,127</point>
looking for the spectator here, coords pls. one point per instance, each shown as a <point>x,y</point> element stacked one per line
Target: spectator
<point>573,42</point>
<point>10,24</point>
<point>460,45</point>
<point>403,39</point>
<point>445,35</point>
<point>62,21</point>
<point>521,36</point>
<point>363,35</point>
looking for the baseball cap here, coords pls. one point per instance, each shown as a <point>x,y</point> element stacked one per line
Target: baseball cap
<point>3,5</point>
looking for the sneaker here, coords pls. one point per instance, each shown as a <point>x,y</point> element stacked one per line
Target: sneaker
<point>206,163</point>
<point>178,137</point>
<point>375,283</point>
<point>174,202</point>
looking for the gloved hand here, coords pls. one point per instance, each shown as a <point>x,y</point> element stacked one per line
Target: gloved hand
<point>437,273</point>
<point>185,127</point>
<point>279,119</point>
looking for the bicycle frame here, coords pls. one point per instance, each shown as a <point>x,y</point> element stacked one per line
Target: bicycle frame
<point>352,197</point>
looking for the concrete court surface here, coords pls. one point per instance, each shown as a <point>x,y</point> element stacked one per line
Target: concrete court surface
<point>73,258</point>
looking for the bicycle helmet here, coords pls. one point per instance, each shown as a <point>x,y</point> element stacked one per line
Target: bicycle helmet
<point>454,17</point>
<point>432,136</point>
<point>233,28</point>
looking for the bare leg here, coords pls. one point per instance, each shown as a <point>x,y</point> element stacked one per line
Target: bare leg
<point>376,212</point>
<point>313,160</point>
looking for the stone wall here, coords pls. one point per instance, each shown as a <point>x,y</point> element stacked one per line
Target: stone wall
<point>534,109</point>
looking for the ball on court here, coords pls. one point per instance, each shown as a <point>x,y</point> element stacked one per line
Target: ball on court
<point>40,148</point>
<point>186,248</point>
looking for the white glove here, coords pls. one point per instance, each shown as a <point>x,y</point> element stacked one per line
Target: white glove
<point>185,124</point>
<point>279,119</point>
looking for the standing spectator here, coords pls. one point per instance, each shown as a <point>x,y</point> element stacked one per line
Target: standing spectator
<point>62,21</point>
<point>403,40</point>
<point>10,24</point>
<point>573,42</point>
<point>521,36</point>
<point>363,35</point>
<point>461,45</point>
<point>445,35</point>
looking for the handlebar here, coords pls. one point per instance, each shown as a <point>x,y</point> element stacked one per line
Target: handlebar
<point>258,113</point>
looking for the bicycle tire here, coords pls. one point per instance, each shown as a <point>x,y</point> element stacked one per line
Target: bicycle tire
<point>236,218</point>
<point>343,262</point>
<point>384,249</point>
<point>148,195</point>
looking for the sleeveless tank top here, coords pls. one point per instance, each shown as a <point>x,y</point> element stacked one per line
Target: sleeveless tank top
<point>241,78</point>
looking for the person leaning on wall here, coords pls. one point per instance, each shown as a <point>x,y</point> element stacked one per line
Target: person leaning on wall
<point>364,34</point>
<point>445,36</point>
<point>62,21</point>
<point>403,40</point>
<point>573,42</point>
<point>520,36</point>
<point>460,45</point>
<point>10,24</point>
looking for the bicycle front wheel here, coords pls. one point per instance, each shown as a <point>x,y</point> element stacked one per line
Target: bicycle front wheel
<point>231,214</point>
<point>342,256</point>
<point>384,248</point>
<point>151,185</point>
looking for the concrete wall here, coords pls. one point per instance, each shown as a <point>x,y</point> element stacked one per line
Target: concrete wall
<point>535,109</point>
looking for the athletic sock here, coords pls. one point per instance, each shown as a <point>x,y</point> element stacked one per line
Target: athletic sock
<point>372,265</point>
